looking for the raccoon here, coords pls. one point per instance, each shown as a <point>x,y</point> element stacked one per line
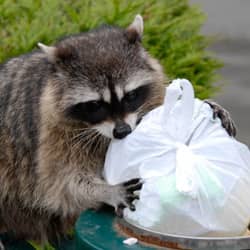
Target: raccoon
<point>59,108</point>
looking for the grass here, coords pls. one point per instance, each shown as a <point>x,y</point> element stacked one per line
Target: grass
<point>171,32</point>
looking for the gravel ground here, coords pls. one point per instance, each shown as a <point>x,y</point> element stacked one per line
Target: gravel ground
<point>229,22</point>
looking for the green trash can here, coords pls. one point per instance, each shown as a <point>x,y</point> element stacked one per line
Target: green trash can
<point>95,231</point>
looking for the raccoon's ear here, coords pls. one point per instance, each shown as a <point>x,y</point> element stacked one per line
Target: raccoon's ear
<point>57,54</point>
<point>135,29</point>
<point>50,51</point>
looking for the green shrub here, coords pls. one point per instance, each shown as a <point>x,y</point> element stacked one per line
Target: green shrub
<point>171,31</point>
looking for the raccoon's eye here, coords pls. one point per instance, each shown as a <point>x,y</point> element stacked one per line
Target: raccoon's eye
<point>92,111</point>
<point>93,106</point>
<point>130,96</point>
<point>135,98</point>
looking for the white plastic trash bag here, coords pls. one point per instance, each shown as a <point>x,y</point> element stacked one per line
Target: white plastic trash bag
<point>197,177</point>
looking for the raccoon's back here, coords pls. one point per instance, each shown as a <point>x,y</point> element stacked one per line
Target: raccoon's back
<point>21,83</point>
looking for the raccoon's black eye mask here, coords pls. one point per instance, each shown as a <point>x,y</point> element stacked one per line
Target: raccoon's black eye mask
<point>97,111</point>
<point>135,98</point>
<point>92,111</point>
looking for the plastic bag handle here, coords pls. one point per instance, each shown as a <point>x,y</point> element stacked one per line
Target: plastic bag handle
<point>182,90</point>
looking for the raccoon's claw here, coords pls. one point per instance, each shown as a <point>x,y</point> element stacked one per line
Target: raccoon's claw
<point>226,119</point>
<point>119,210</point>
<point>133,185</point>
<point>127,195</point>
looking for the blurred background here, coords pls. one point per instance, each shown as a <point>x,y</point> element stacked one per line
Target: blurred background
<point>229,22</point>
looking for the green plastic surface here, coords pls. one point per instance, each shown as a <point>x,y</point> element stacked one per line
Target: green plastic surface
<point>95,231</point>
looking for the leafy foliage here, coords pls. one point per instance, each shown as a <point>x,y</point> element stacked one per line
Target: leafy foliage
<point>171,31</point>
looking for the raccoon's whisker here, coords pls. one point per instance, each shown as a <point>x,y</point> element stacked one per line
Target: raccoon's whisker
<point>87,140</point>
<point>79,147</point>
<point>76,149</point>
<point>83,134</point>
<point>77,133</point>
<point>104,142</point>
<point>82,138</point>
<point>92,141</point>
<point>98,143</point>
<point>83,129</point>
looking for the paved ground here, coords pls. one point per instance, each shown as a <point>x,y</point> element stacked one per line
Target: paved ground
<point>229,21</point>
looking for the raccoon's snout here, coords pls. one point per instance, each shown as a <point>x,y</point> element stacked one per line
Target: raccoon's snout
<point>121,130</point>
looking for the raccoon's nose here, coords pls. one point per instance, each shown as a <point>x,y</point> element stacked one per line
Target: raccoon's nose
<point>121,130</point>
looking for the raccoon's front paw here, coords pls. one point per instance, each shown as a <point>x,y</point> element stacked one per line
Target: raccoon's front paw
<point>123,195</point>
<point>226,119</point>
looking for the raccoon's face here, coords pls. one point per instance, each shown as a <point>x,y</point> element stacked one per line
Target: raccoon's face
<point>105,79</point>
